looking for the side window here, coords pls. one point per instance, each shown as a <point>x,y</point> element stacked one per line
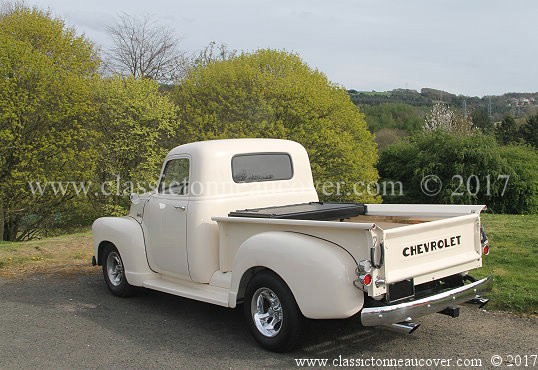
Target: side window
<point>175,178</point>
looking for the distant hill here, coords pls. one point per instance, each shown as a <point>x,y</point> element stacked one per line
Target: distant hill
<point>497,106</point>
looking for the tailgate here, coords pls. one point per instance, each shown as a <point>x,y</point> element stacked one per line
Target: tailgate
<point>432,250</point>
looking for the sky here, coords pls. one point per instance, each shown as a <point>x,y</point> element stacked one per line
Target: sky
<point>470,47</point>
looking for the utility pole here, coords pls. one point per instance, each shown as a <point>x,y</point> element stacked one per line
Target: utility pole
<point>465,108</point>
<point>489,108</point>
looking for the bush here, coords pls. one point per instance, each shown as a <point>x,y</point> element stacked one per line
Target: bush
<point>472,169</point>
<point>522,192</point>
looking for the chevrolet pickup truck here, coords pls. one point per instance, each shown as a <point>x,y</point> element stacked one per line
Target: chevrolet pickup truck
<point>239,222</point>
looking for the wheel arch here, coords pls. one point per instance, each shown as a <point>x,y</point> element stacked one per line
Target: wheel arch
<point>126,234</point>
<point>100,248</point>
<point>319,273</point>
<point>245,279</point>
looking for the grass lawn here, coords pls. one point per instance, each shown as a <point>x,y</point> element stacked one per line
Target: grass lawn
<point>513,260</point>
<point>67,253</point>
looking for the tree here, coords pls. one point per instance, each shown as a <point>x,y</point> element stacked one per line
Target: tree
<point>506,132</point>
<point>8,7</point>
<point>47,74</point>
<point>482,120</point>
<point>388,136</point>
<point>213,53</point>
<point>522,190</point>
<point>136,121</point>
<point>472,169</point>
<point>529,131</point>
<point>144,49</point>
<point>441,117</point>
<point>274,94</point>
<point>394,116</point>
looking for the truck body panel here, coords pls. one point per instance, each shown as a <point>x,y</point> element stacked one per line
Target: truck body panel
<point>126,234</point>
<point>319,266</point>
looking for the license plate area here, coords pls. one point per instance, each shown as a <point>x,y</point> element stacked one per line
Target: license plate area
<point>400,290</point>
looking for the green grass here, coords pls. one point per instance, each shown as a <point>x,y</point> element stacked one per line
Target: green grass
<point>512,261</point>
<point>62,252</point>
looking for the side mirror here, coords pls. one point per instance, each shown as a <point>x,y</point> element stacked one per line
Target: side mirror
<point>135,198</point>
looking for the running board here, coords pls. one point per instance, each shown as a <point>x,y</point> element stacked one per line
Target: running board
<point>187,289</point>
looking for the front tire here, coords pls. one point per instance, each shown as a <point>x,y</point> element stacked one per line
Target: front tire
<point>114,272</point>
<point>273,317</point>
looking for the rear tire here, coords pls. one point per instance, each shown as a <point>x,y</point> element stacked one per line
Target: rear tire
<point>272,314</point>
<point>114,272</point>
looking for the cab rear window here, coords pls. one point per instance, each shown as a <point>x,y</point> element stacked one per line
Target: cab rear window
<point>258,167</point>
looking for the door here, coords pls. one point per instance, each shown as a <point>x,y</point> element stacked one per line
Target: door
<point>165,220</point>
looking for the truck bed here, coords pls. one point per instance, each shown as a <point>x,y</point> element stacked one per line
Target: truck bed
<point>420,242</point>
<point>313,211</point>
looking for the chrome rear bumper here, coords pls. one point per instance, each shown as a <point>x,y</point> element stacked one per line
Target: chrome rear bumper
<point>409,311</point>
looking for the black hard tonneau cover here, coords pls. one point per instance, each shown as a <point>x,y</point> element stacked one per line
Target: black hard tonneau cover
<point>318,211</point>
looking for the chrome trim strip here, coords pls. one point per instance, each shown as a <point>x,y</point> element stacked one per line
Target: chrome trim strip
<point>408,311</point>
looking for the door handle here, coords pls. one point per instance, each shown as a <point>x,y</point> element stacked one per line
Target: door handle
<point>180,207</point>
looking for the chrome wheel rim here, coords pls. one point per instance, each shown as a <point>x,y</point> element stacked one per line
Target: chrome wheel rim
<point>114,268</point>
<point>266,312</point>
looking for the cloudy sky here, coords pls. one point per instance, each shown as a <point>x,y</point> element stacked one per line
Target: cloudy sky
<point>477,47</point>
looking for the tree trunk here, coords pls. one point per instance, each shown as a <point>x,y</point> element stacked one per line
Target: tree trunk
<point>11,230</point>
<point>1,220</point>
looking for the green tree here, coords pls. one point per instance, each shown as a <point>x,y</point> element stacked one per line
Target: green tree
<point>529,131</point>
<point>506,132</point>
<point>47,74</point>
<point>522,190</point>
<point>482,121</point>
<point>472,169</point>
<point>394,116</point>
<point>274,94</point>
<point>137,122</point>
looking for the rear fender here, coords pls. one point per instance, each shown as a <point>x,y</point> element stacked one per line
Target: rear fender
<point>127,236</point>
<point>319,273</point>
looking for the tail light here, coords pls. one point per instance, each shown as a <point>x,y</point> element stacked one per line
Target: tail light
<point>484,240</point>
<point>365,279</point>
<point>364,275</point>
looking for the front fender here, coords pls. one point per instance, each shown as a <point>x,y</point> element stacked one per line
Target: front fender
<point>127,235</point>
<point>319,273</point>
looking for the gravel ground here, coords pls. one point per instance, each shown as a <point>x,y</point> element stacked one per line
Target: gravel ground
<point>70,321</point>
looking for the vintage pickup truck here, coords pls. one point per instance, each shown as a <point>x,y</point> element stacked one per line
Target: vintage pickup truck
<point>239,221</point>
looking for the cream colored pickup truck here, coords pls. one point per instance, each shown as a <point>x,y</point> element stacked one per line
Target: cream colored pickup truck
<point>239,221</point>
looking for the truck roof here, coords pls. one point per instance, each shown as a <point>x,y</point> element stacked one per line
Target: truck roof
<point>237,146</point>
<point>211,167</point>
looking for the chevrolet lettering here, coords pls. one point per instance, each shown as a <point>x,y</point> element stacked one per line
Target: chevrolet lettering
<point>432,246</point>
<point>239,223</point>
